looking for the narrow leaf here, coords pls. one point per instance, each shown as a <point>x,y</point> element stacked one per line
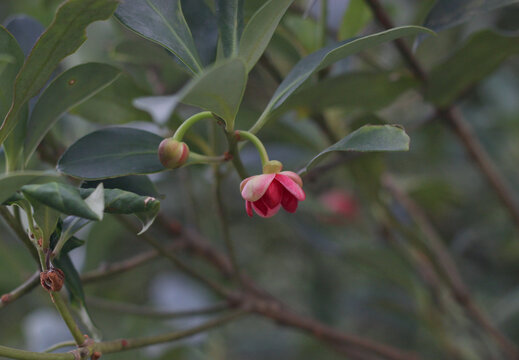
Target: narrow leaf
<point>112,152</point>
<point>478,57</point>
<point>355,18</point>
<point>96,201</point>
<point>259,30</point>
<point>62,38</point>
<point>163,22</point>
<point>67,90</point>
<point>368,138</point>
<point>230,24</point>
<point>327,56</point>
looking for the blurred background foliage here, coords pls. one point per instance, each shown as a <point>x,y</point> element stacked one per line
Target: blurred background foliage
<point>341,258</point>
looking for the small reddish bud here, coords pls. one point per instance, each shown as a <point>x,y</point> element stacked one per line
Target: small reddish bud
<point>227,156</point>
<point>52,280</point>
<point>124,343</point>
<point>40,242</point>
<point>5,298</point>
<point>96,355</point>
<point>173,153</point>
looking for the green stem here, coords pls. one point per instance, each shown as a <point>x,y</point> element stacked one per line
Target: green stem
<point>186,125</point>
<point>11,353</point>
<point>262,120</point>
<point>195,158</point>
<point>224,224</point>
<point>234,151</point>
<point>60,345</point>
<point>121,345</point>
<point>257,143</point>
<point>21,290</point>
<point>67,317</point>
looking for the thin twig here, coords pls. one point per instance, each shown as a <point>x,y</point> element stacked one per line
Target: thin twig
<point>21,290</point>
<point>459,125</point>
<point>63,310</point>
<point>224,224</point>
<point>459,289</point>
<point>129,344</point>
<point>19,231</point>
<point>144,311</point>
<point>60,346</point>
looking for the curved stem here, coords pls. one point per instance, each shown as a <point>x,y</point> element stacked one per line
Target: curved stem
<point>195,158</point>
<point>257,143</point>
<point>59,346</point>
<point>186,125</point>
<point>11,353</point>
<point>121,345</point>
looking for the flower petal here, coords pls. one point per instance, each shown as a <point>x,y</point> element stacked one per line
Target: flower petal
<point>289,202</point>
<point>263,210</point>
<point>293,176</point>
<point>291,186</point>
<point>248,208</point>
<point>274,194</point>
<point>256,186</point>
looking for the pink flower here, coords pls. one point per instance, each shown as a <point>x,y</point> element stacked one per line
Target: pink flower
<point>266,193</point>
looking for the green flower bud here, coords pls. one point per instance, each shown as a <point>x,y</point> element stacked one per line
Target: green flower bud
<point>173,153</point>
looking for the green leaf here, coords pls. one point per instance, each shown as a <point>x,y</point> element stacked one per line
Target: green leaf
<point>10,63</point>
<point>163,22</point>
<point>325,57</point>
<point>259,30</point>
<point>478,57</point>
<point>113,104</point>
<point>205,92</point>
<point>67,90</point>
<point>368,138</point>
<point>62,197</point>
<point>138,184</point>
<point>448,13</point>
<point>62,38</point>
<point>46,217</point>
<point>355,18</point>
<point>119,201</point>
<point>359,91</point>
<point>70,226</point>
<point>112,152</point>
<point>96,201</point>
<point>230,24</point>
<point>12,182</point>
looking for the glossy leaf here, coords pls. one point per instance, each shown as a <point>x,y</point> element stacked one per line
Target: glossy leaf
<point>67,90</point>
<point>369,138</point>
<point>10,64</point>
<point>45,217</point>
<point>112,152</point>
<point>259,30</point>
<point>71,225</point>
<point>72,279</point>
<point>325,57</point>
<point>62,197</point>
<point>12,182</point>
<point>202,22</point>
<point>138,184</point>
<point>163,22</point>
<point>359,91</point>
<point>230,24</point>
<point>119,201</point>
<point>114,104</point>
<point>477,58</point>
<point>62,38</point>
<point>205,92</point>
<point>448,13</point>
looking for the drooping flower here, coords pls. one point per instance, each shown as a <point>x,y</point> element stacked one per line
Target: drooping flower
<point>267,193</point>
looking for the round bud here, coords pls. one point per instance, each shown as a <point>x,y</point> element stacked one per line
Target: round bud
<point>173,153</point>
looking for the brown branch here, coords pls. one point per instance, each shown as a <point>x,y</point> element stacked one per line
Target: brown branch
<point>459,125</point>
<point>262,303</point>
<point>459,290</point>
<point>21,290</point>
